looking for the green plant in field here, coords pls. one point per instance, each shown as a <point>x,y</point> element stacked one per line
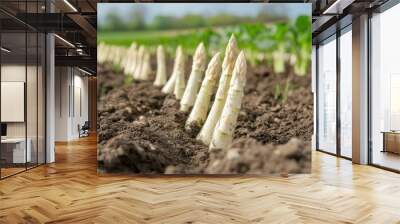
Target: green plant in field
<point>117,68</point>
<point>280,94</point>
<point>286,91</point>
<point>269,44</point>
<point>128,79</point>
<point>279,47</point>
<point>277,91</point>
<point>300,38</point>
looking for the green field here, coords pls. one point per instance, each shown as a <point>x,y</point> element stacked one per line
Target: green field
<point>125,38</point>
<point>262,43</point>
<point>188,38</point>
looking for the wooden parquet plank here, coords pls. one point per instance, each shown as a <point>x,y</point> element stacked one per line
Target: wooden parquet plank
<point>71,191</point>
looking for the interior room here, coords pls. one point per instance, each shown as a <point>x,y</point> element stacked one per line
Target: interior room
<point>71,104</point>
<point>46,80</point>
<point>22,99</point>
<point>335,77</point>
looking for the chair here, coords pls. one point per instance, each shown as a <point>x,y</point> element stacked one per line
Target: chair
<point>84,130</point>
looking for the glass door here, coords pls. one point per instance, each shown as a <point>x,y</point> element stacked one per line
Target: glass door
<point>326,95</point>
<point>14,153</point>
<point>346,92</point>
<point>22,98</point>
<point>385,89</point>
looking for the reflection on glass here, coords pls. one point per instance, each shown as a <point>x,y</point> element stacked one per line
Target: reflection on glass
<point>327,96</point>
<point>385,84</point>
<point>31,100</point>
<point>22,87</point>
<point>15,151</point>
<point>41,99</point>
<point>346,94</point>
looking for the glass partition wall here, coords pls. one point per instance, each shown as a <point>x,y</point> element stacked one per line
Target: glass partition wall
<point>345,62</point>
<point>385,90</point>
<point>334,93</point>
<point>334,105</point>
<point>327,95</point>
<point>22,77</point>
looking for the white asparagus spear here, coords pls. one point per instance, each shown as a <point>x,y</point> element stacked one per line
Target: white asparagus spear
<point>105,53</point>
<point>223,134</point>
<point>101,50</point>
<point>126,57</point>
<point>111,56</point>
<point>161,76</point>
<point>136,74</point>
<point>200,108</point>
<point>207,130</point>
<point>145,69</point>
<point>129,58</point>
<point>134,61</point>
<point>180,83</point>
<point>170,85</point>
<point>108,53</point>
<point>121,52</point>
<point>196,75</point>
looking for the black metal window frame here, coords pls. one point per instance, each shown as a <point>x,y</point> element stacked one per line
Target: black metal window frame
<point>44,80</point>
<point>339,32</point>
<point>387,5</point>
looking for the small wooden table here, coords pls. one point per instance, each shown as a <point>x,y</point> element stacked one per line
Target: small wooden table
<point>391,141</point>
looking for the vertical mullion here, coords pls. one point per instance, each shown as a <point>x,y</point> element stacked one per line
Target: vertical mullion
<point>0,94</point>
<point>369,91</point>
<point>26,85</point>
<point>73,93</point>
<point>45,88</point>
<point>69,92</point>
<point>37,89</point>
<point>316,96</point>
<point>338,73</point>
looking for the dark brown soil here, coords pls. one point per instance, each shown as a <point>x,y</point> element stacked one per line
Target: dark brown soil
<point>152,142</point>
<point>141,130</point>
<point>247,156</point>
<point>272,121</point>
<point>108,80</point>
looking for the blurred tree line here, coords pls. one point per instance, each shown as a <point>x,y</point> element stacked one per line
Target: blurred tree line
<point>136,21</point>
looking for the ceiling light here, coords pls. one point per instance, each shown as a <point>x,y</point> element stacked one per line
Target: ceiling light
<point>338,6</point>
<point>65,41</point>
<point>70,5</point>
<point>84,71</point>
<point>5,50</point>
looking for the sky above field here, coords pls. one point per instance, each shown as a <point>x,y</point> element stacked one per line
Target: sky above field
<point>291,10</point>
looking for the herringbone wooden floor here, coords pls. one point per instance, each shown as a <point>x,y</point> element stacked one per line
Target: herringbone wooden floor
<point>70,191</point>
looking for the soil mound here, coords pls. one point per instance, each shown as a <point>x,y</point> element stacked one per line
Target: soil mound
<point>141,130</point>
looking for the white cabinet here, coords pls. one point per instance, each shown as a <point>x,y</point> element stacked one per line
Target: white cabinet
<point>18,149</point>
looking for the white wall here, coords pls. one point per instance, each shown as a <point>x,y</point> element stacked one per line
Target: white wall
<point>69,82</point>
<point>62,81</point>
<point>33,126</point>
<point>81,82</point>
<point>14,73</point>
